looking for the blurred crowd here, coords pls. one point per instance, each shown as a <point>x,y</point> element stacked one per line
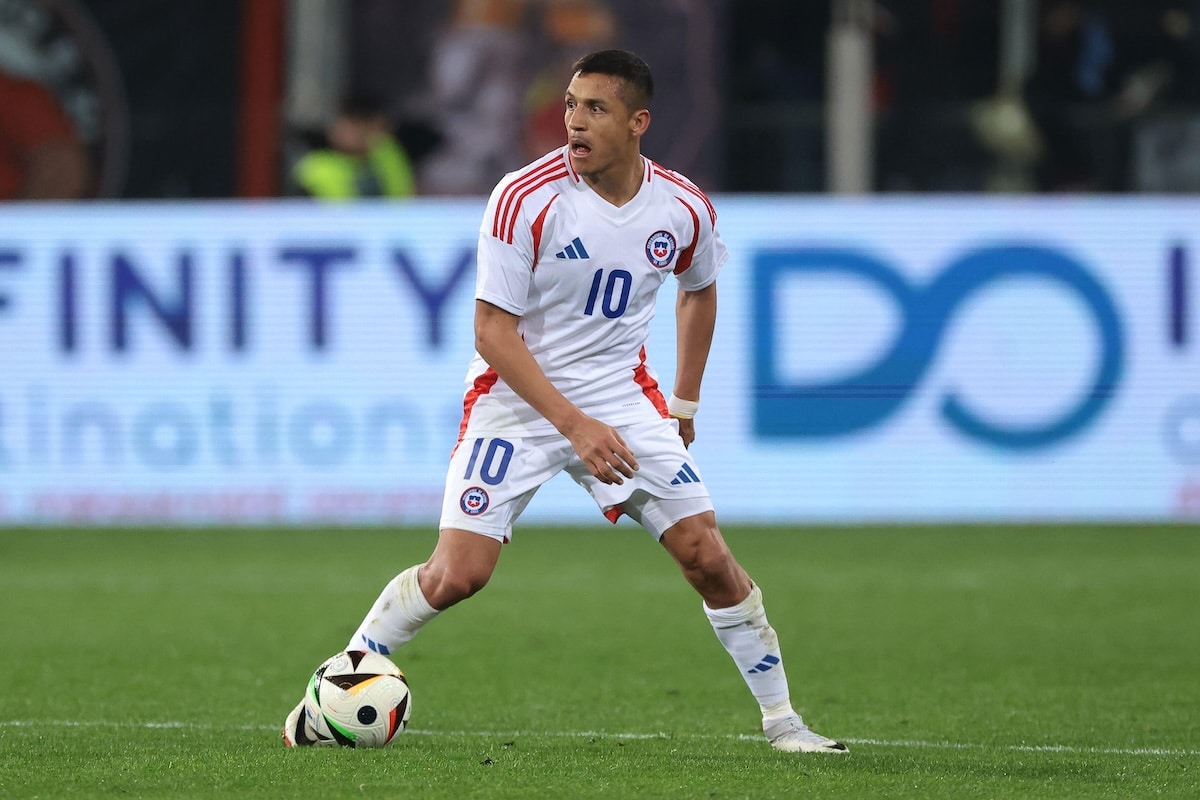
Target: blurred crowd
<point>441,99</point>
<point>1115,96</point>
<point>1108,99</point>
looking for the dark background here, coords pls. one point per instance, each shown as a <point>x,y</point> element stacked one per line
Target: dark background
<point>179,64</point>
<point>741,107</point>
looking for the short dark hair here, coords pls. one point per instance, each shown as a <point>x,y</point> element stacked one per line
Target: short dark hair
<point>638,90</point>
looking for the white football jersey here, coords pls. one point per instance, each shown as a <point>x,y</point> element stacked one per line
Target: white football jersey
<point>583,276</point>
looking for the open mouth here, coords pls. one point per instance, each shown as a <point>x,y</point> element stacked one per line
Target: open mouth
<point>579,149</point>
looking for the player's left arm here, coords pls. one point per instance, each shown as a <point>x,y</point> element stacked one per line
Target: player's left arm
<point>696,303</point>
<point>695,320</point>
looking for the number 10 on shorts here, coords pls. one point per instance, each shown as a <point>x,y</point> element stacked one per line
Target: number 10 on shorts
<point>495,461</point>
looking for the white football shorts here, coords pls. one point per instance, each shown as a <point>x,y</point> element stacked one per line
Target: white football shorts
<point>491,480</point>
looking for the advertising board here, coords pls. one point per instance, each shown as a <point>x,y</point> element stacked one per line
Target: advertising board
<point>906,359</point>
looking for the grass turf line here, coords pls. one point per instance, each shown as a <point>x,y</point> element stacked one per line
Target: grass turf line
<point>1037,661</point>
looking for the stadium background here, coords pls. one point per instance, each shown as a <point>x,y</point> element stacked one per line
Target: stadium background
<point>961,289</point>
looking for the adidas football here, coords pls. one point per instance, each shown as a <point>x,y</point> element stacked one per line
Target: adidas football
<point>358,698</point>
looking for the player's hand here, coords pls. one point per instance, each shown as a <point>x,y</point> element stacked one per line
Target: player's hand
<point>687,430</point>
<point>603,451</point>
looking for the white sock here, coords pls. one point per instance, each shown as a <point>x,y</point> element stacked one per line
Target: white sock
<point>754,647</point>
<point>400,611</point>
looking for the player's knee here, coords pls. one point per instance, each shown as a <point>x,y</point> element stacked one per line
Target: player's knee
<point>697,545</point>
<point>704,558</point>
<point>718,579</point>
<point>445,586</point>
<point>714,564</point>
<point>462,585</point>
<point>459,566</point>
<point>707,563</point>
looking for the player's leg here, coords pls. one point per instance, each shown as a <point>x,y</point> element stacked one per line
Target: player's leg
<point>669,499</point>
<point>460,565</point>
<point>700,550</point>
<point>488,484</point>
<point>734,607</point>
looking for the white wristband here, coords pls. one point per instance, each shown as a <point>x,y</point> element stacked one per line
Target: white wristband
<point>682,409</point>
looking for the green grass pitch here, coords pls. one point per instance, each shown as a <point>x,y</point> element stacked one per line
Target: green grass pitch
<point>957,662</point>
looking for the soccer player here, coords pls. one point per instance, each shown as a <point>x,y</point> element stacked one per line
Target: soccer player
<point>572,251</point>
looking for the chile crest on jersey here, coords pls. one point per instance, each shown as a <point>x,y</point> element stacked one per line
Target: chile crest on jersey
<point>660,248</point>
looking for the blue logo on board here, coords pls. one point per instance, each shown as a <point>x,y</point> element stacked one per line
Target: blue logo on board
<point>790,409</point>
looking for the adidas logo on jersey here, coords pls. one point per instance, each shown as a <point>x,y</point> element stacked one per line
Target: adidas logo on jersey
<point>685,475</point>
<point>574,250</point>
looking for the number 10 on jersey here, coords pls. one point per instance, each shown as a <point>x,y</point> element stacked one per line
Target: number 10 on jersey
<point>616,293</point>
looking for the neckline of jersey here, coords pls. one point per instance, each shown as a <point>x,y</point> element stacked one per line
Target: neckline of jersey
<point>619,213</point>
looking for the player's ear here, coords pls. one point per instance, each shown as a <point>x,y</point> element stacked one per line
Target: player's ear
<point>639,121</point>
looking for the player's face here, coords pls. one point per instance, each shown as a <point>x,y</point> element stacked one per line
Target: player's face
<point>601,129</point>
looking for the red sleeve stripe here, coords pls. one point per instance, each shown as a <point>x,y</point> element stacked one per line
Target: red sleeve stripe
<point>505,201</point>
<point>509,202</point>
<point>675,179</point>
<point>509,224</point>
<point>548,160</point>
<point>685,258</point>
<point>537,229</point>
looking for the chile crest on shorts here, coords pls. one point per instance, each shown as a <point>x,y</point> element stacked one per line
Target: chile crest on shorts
<point>474,501</point>
<point>660,248</point>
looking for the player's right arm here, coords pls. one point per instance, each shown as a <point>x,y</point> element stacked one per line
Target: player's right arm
<point>498,340</point>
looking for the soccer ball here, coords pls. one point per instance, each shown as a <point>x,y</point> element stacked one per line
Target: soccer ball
<point>358,698</point>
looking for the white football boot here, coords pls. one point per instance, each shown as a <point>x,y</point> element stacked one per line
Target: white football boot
<point>790,735</point>
<point>298,730</point>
